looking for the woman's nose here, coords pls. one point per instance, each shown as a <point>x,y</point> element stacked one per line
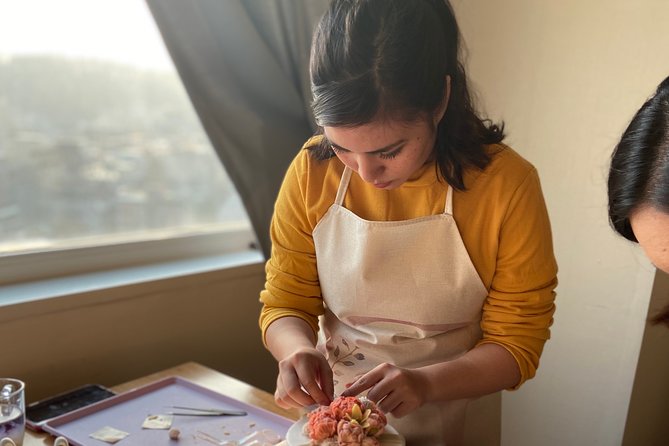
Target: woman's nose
<point>369,169</point>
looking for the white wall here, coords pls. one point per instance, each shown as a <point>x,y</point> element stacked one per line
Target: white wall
<point>120,333</point>
<point>566,77</point>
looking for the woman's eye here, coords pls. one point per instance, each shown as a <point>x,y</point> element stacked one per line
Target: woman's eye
<point>390,155</point>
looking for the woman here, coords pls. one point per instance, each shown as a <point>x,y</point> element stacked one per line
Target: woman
<point>412,255</point>
<point>639,182</point>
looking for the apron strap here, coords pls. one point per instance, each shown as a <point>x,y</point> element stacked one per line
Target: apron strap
<point>343,186</point>
<point>346,178</point>
<point>448,208</point>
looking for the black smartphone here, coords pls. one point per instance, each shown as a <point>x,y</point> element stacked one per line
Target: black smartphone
<point>40,412</point>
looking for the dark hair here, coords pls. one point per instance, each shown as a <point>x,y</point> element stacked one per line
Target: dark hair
<point>639,173</point>
<point>375,59</point>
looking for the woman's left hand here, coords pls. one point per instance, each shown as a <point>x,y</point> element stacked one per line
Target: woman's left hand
<point>396,390</point>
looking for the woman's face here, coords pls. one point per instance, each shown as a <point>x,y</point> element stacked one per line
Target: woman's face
<point>384,153</point>
<point>651,228</point>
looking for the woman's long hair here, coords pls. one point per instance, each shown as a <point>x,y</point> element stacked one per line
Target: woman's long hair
<point>389,59</point>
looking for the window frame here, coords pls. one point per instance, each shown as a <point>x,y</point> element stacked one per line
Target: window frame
<point>122,252</point>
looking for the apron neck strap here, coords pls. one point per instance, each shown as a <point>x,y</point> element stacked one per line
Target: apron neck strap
<point>346,178</point>
<point>448,208</point>
<point>343,186</point>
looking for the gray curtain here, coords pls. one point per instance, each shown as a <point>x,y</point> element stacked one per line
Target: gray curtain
<point>244,64</point>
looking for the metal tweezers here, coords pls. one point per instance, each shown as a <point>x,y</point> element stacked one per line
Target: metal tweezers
<point>198,412</point>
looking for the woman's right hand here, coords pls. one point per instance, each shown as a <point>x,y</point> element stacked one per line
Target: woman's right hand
<point>305,378</point>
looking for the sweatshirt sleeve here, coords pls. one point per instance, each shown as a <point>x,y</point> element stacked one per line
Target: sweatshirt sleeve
<point>519,308</point>
<point>291,287</point>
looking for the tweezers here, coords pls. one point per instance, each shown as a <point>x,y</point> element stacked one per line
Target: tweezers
<point>198,412</point>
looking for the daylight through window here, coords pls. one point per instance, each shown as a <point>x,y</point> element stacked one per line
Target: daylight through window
<point>99,143</point>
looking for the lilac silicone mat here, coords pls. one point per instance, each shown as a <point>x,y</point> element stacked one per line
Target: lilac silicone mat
<point>128,410</point>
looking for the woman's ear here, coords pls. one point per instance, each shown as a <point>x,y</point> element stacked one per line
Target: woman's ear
<point>439,114</point>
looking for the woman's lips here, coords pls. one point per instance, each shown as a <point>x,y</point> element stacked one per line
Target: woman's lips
<point>382,185</point>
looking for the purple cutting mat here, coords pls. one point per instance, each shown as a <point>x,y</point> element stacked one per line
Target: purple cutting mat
<point>128,410</point>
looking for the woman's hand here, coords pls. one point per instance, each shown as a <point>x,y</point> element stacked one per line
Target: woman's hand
<point>305,378</point>
<point>396,390</point>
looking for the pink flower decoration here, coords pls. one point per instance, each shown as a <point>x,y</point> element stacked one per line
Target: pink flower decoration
<point>376,422</point>
<point>343,405</point>
<point>321,424</point>
<point>366,403</point>
<point>348,421</point>
<point>350,433</point>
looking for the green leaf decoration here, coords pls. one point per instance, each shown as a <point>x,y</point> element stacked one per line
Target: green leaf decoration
<point>336,352</point>
<point>359,356</point>
<point>343,341</point>
<point>348,363</point>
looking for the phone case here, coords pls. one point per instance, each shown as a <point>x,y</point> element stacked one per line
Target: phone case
<point>39,412</point>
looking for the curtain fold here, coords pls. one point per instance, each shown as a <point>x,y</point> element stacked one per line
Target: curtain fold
<point>244,64</point>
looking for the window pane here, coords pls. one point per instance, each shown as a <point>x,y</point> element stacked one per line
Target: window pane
<point>98,139</point>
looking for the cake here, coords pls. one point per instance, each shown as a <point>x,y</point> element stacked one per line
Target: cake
<point>349,421</point>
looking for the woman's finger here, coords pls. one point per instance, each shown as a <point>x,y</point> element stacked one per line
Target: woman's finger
<point>315,392</point>
<point>294,393</point>
<point>326,382</point>
<point>309,374</point>
<point>388,402</point>
<point>283,400</point>
<point>401,410</point>
<point>366,381</point>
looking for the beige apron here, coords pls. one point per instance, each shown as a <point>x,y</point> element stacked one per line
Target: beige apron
<point>401,292</point>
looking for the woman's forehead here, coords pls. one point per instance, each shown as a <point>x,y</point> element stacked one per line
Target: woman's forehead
<point>651,228</point>
<point>374,136</point>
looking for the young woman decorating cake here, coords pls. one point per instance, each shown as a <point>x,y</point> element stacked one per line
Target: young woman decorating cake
<point>412,259</point>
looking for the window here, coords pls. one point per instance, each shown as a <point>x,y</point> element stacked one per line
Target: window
<point>103,161</point>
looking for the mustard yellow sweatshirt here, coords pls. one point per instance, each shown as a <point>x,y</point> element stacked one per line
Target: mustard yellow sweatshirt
<point>501,216</point>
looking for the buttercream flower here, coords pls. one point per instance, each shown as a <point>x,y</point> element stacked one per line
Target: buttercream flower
<point>350,433</point>
<point>375,423</point>
<point>321,424</point>
<point>366,403</point>
<point>348,421</point>
<point>371,419</point>
<point>343,405</point>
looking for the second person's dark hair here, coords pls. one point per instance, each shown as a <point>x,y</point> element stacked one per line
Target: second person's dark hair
<point>639,172</point>
<point>389,59</point>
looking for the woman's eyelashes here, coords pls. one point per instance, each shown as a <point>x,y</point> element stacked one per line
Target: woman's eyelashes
<point>383,155</point>
<point>390,155</point>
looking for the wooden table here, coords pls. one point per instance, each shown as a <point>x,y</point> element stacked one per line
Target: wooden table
<point>201,375</point>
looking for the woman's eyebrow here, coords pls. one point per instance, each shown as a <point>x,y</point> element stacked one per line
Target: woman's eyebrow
<point>382,149</point>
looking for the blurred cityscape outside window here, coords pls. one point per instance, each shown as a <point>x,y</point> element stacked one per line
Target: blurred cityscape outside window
<point>99,143</point>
